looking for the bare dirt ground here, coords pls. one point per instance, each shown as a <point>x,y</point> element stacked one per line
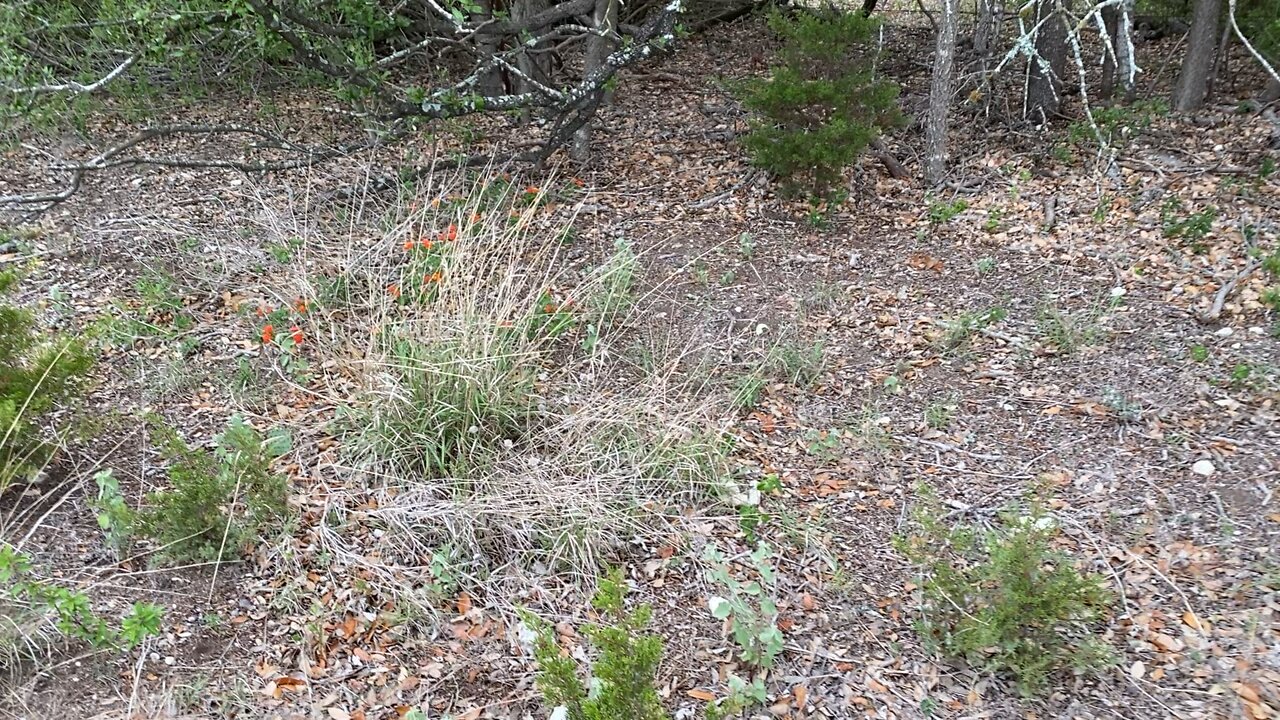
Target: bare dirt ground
<point>1101,380</point>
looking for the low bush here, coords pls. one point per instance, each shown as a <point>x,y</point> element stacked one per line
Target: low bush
<point>823,103</point>
<point>37,371</point>
<point>1006,601</point>
<point>219,501</point>
<point>622,677</point>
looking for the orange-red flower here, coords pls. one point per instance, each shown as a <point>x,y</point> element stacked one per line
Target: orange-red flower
<point>475,217</point>
<point>427,244</point>
<point>268,334</point>
<point>452,232</point>
<point>393,290</point>
<point>578,182</point>
<point>532,190</point>
<point>296,333</point>
<point>549,308</point>
<point>300,305</point>
<point>433,277</point>
<point>408,244</point>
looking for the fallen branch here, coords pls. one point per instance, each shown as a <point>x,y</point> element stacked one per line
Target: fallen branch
<point>886,158</point>
<point>1220,298</point>
<point>111,157</point>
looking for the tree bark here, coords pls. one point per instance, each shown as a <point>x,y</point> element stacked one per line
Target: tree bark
<point>531,61</point>
<point>1126,69</point>
<point>605,20</point>
<point>1045,76</point>
<point>935,128</point>
<point>986,34</point>
<point>1193,80</point>
<point>490,82</point>
<point>1272,92</point>
<point>1111,23</point>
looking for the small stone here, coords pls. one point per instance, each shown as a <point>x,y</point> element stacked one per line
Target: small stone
<point>1203,467</point>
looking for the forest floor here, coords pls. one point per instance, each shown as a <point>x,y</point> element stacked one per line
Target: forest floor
<point>1033,326</point>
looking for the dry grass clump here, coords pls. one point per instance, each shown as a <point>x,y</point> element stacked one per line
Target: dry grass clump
<point>500,430</point>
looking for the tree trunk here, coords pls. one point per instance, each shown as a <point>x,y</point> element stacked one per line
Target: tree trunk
<point>1272,93</point>
<point>1045,76</point>
<point>489,83</point>
<point>604,19</point>
<point>1193,80</point>
<point>1111,22</point>
<point>986,34</point>
<point>532,60</point>
<point>935,128</point>
<point>1126,68</point>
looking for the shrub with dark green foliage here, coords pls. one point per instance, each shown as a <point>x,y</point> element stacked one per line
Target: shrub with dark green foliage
<point>624,671</point>
<point>36,372</point>
<point>823,103</point>
<point>219,500</point>
<point>1006,601</point>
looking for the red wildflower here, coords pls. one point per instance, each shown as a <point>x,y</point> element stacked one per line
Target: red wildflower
<point>433,277</point>
<point>549,308</point>
<point>578,182</point>
<point>408,244</point>
<point>296,333</point>
<point>268,334</point>
<point>393,290</point>
<point>532,190</point>
<point>427,244</point>
<point>452,232</point>
<point>300,305</point>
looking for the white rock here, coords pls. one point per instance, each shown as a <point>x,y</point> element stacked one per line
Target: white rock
<point>1203,467</point>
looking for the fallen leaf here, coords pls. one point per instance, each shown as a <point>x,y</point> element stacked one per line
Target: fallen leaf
<point>1192,621</point>
<point>925,261</point>
<point>802,696</point>
<point>704,695</point>
<point>464,603</point>
<point>1166,643</point>
<point>338,713</point>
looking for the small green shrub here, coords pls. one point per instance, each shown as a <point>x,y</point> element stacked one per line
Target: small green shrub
<point>28,604</point>
<point>1271,295</point>
<point>748,389</point>
<point>113,514</point>
<point>748,606</point>
<point>1118,125</point>
<point>1191,227</point>
<point>1005,601</point>
<point>940,212</point>
<point>37,371</point>
<point>616,282</point>
<point>623,675</point>
<point>220,500</point>
<point>799,363</point>
<point>958,332</point>
<point>823,103</point>
<point>1068,332</point>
